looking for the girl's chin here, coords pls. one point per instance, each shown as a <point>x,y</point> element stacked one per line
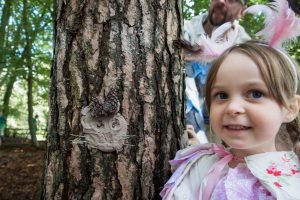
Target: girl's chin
<point>241,147</point>
<point>243,150</point>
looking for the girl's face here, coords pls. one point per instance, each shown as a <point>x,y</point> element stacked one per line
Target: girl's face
<point>243,112</point>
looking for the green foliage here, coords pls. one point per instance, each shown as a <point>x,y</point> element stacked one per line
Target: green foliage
<point>39,36</point>
<point>193,8</point>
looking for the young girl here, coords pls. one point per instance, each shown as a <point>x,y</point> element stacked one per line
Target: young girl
<point>251,91</point>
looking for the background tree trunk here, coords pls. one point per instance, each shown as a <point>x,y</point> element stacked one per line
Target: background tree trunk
<point>127,45</point>
<point>12,76</point>
<point>6,98</point>
<point>3,31</point>
<point>27,52</point>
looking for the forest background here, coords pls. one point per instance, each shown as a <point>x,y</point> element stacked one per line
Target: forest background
<point>26,50</point>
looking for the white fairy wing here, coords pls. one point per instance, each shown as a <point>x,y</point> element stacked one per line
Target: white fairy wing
<point>258,9</point>
<point>212,47</point>
<point>221,31</point>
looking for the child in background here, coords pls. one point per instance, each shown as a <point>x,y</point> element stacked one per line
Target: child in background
<point>2,126</point>
<point>251,91</point>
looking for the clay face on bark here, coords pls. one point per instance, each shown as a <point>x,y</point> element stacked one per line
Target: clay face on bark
<point>104,133</point>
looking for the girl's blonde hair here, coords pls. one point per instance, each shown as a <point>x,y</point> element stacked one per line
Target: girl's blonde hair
<point>276,71</point>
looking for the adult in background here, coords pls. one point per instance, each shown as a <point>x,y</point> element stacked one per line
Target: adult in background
<point>221,18</point>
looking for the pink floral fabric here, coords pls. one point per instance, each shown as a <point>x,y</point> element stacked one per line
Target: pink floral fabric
<point>279,172</point>
<point>240,183</point>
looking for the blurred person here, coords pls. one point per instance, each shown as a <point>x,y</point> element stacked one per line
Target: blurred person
<point>2,126</point>
<point>222,17</point>
<point>35,122</point>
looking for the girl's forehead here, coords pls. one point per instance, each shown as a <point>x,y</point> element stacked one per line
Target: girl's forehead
<point>237,66</point>
<point>237,62</point>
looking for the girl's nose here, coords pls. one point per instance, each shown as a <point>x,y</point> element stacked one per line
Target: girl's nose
<point>235,107</point>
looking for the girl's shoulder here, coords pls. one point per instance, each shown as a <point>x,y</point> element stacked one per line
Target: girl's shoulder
<point>190,165</point>
<point>188,156</point>
<point>279,172</point>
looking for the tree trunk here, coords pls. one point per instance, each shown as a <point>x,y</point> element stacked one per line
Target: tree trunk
<point>27,52</point>
<point>32,130</point>
<point>102,45</point>
<point>6,98</point>
<point>12,75</point>
<point>3,31</point>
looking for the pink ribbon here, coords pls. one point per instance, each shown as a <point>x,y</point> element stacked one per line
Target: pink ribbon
<point>180,162</point>
<point>214,173</point>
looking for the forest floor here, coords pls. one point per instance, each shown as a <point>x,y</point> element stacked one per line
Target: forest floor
<point>21,168</point>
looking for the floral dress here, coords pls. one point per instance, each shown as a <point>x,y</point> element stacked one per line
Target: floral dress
<point>239,183</point>
<point>202,173</point>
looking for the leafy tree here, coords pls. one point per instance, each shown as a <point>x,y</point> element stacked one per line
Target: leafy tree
<point>27,56</point>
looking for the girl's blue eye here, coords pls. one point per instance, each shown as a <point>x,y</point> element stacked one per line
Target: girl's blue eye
<point>221,95</point>
<point>255,94</point>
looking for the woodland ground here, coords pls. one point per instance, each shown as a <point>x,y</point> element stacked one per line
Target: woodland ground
<point>21,167</point>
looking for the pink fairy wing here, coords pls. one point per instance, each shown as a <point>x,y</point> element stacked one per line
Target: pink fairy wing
<point>208,52</point>
<point>285,24</point>
<point>281,23</point>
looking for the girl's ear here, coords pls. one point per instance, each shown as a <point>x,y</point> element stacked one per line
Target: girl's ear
<point>293,109</point>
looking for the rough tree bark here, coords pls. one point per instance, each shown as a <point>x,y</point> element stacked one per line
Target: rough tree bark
<point>126,45</point>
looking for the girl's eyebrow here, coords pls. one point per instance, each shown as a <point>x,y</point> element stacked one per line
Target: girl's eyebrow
<point>250,83</point>
<point>216,87</point>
